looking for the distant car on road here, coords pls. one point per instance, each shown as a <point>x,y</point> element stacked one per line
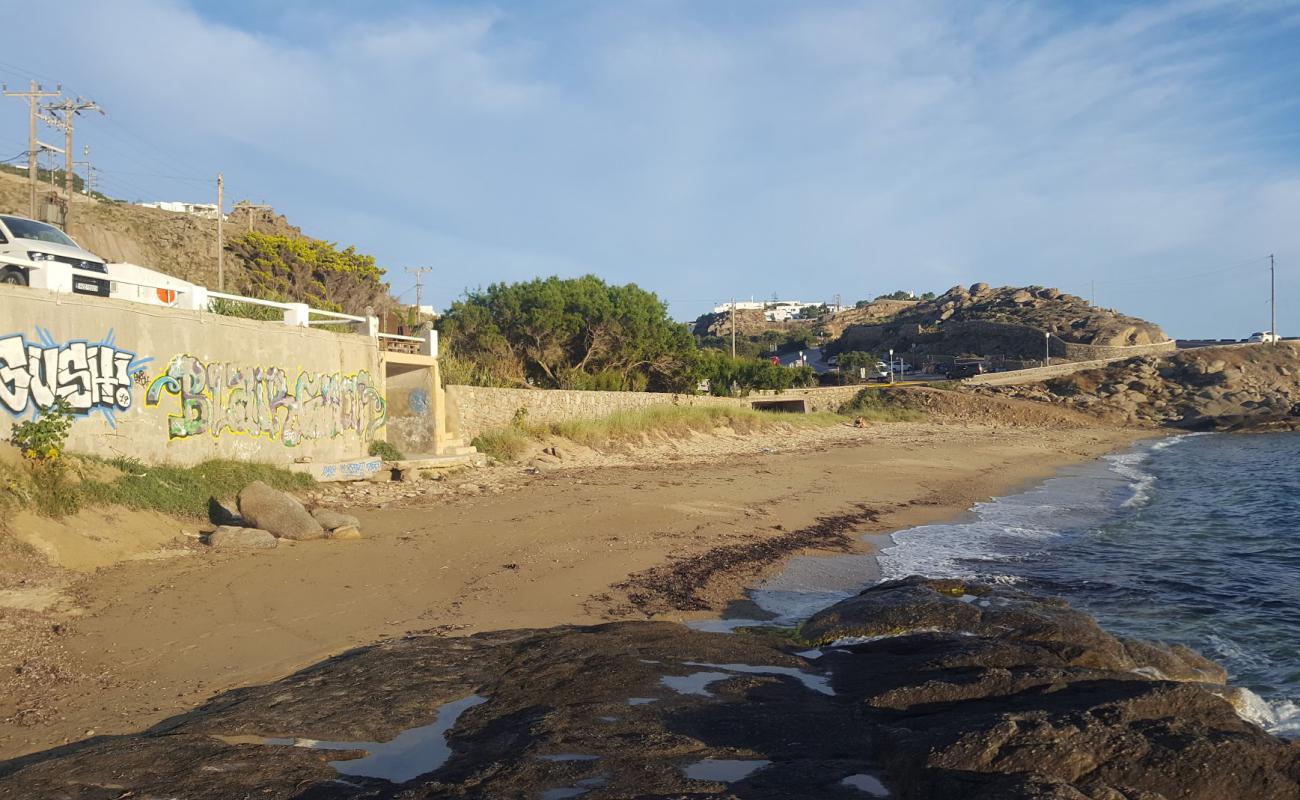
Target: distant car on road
<point>36,241</point>
<point>966,370</point>
<point>1264,336</point>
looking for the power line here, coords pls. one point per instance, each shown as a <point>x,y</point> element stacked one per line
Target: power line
<point>1190,276</point>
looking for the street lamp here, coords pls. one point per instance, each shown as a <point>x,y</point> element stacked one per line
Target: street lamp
<point>1047,352</point>
<point>891,366</point>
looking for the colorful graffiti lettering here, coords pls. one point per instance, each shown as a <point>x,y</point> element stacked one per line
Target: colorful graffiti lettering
<point>218,398</point>
<point>90,376</point>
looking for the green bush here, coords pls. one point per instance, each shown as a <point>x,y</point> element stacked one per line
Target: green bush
<point>386,451</point>
<point>42,439</point>
<point>879,405</point>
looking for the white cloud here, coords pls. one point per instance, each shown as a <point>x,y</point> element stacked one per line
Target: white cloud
<point>705,150</point>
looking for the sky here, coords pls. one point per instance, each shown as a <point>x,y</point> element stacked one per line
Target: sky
<point>1145,154</point>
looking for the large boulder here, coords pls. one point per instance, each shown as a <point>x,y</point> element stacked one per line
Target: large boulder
<point>277,512</point>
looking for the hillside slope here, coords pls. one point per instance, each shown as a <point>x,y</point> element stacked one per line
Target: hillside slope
<point>983,320</point>
<point>177,244</point>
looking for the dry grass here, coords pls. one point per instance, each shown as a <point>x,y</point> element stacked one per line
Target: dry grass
<point>625,427</point>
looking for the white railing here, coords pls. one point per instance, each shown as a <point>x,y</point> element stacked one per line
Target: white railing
<point>57,276</point>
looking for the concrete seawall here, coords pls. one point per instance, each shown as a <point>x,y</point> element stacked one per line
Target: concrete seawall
<point>170,386</point>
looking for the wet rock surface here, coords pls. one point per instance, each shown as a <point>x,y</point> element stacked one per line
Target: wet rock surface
<point>1020,698</point>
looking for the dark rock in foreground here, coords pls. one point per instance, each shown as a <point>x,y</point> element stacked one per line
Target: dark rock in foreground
<point>949,690</point>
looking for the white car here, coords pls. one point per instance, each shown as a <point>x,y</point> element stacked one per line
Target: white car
<point>30,240</point>
<point>1264,336</point>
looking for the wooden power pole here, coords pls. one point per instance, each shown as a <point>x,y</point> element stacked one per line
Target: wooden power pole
<point>63,118</point>
<point>1272,298</point>
<point>733,327</point>
<point>221,246</point>
<point>419,273</point>
<point>33,95</point>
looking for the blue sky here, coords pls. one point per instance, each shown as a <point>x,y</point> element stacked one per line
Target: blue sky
<point>734,147</point>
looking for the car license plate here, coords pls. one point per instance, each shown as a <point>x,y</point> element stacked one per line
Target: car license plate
<point>85,286</point>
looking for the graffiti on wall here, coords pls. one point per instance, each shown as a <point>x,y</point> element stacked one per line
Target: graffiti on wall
<point>218,398</point>
<point>93,377</point>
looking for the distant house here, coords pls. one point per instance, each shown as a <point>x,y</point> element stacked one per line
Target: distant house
<point>207,210</point>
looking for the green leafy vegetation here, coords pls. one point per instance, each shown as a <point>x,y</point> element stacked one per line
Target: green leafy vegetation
<point>879,405</point>
<point>739,376</point>
<point>568,333</point>
<point>386,451</point>
<point>42,439</point>
<point>234,308</point>
<point>626,427</point>
<point>310,271</point>
<point>85,482</point>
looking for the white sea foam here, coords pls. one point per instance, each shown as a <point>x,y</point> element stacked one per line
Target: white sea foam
<point>1281,718</point>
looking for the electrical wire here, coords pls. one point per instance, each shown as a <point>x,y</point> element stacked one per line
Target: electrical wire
<point>1190,276</point>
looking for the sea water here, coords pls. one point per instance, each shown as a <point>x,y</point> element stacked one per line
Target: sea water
<point>1192,540</point>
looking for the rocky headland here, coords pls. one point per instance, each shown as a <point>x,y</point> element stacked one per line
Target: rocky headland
<point>1243,387</point>
<point>912,689</point>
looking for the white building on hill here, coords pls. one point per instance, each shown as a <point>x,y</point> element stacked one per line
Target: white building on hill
<point>773,310</point>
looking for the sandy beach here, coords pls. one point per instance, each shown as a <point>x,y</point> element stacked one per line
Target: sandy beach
<point>133,643</point>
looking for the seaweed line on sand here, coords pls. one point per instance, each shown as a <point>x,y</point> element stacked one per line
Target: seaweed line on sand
<point>676,586</point>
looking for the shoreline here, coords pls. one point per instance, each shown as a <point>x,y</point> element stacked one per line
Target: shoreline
<point>538,553</point>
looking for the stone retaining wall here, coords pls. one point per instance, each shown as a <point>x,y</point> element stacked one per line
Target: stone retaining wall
<point>1093,352</point>
<point>474,409</point>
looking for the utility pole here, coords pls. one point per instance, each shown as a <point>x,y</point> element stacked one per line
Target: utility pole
<point>63,118</point>
<point>33,95</point>
<point>418,272</point>
<point>733,327</point>
<point>250,207</point>
<point>221,266</point>
<point>89,169</point>
<point>1272,296</point>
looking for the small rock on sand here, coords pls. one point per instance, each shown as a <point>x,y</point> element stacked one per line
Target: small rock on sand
<point>330,520</point>
<point>344,532</point>
<point>229,536</point>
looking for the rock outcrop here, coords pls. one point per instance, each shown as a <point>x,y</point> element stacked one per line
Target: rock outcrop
<point>1213,388</point>
<point>951,690</point>
<point>1007,321</point>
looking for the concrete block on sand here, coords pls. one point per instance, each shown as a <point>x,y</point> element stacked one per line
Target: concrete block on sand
<point>277,512</point>
<point>331,520</point>
<point>231,537</point>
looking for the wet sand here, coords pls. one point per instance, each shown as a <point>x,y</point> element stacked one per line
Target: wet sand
<point>145,640</point>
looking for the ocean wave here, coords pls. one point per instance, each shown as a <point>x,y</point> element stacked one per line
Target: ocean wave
<point>1281,718</point>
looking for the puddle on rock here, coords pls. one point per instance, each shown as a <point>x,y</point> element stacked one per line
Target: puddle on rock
<point>641,701</point>
<point>722,769</point>
<point>817,683</point>
<point>568,757</point>
<point>867,783</point>
<point>696,683</point>
<point>579,788</point>
<point>412,753</point>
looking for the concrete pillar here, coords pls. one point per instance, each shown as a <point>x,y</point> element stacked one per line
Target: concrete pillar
<point>196,299</point>
<point>429,347</point>
<point>439,407</point>
<point>372,326</point>
<point>297,315</point>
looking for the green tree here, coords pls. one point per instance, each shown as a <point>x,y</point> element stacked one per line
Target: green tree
<point>898,295</point>
<point>296,269</point>
<point>854,359</point>
<point>573,333</point>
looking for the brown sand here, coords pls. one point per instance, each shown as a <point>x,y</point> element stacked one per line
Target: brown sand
<point>146,639</point>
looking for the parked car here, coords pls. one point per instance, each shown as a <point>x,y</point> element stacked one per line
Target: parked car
<point>36,241</point>
<point>1264,336</point>
<point>966,369</point>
